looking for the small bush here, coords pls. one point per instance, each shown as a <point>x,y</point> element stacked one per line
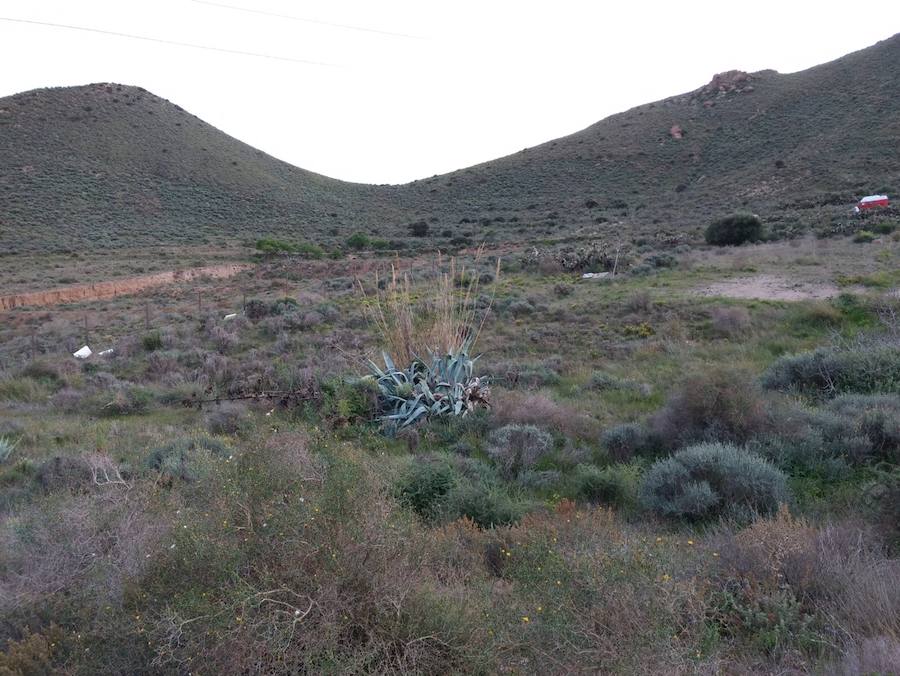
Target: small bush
<point>63,472</point>
<point>228,418</point>
<point>424,486</point>
<point>152,341</point>
<point>487,506</point>
<point>418,229</point>
<point>864,237</point>
<point>827,372</point>
<point>712,480</point>
<point>185,459</point>
<point>614,485</point>
<point>127,399</point>
<point>730,322</point>
<point>721,405</point>
<point>733,230</point>
<point>358,241</point>
<point>623,442</point>
<point>515,448</point>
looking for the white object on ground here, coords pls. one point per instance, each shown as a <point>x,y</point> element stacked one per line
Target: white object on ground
<point>83,353</point>
<point>231,316</point>
<point>595,275</point>
<point>106,353</point>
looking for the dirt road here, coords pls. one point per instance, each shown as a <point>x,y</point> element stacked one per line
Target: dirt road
<point>116,287</point>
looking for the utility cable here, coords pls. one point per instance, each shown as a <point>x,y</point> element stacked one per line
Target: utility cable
<point>168,42</point>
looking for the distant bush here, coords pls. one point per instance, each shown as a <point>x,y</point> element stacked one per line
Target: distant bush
<point>418,229</point>
<point>515,448</point>
<point>152,341</point>
<point>270,245</point>
<point>829,371</point>
<point>358,241</point>
<point>864,237</point>
<point>256,309</point>
<point>712,480</point>
<point>733,230</point>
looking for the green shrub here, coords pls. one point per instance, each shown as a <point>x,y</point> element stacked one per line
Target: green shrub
<point>256,309</point>
<point>864,237</point>
<point>733,230</point>
<point>425,484</point>
<point>348,401</point>
<point>185,459</point>
<point>44,373</point>
<point>487,506</point>
<point>152,341</point>
<point>418,229</point>
<point>515,448</point>
<point>270,245</point>
<point>713,479</point>
<point>128,400</point>
<point>623,442</point>
<point>358,241</point>
<point>827,372</point>
<point>614,485</point>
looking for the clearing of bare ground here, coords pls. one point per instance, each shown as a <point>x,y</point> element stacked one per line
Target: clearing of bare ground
<point>668,479</point>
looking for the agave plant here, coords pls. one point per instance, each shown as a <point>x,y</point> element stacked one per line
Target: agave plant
<point>443,385</point>
<point>7,446</point>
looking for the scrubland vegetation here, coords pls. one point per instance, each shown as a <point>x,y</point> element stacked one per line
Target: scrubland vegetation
<point>647,481</point>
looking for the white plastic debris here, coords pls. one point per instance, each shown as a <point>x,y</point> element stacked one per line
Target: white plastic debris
<point>105,353</point>
<point>83,353</point>
<point>231,316</point>
<point>595,275</point>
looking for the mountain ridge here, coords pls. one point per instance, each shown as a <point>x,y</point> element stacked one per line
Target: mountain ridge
<point>113,166</point>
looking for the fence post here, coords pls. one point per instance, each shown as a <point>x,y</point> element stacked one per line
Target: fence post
<point>147,315</point>
<point>199,304</point>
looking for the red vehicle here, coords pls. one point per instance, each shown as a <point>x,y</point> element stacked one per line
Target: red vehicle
<point>872,201</point>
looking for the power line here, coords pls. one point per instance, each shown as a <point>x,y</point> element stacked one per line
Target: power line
<point>167,42</point>
<point>306,20</point>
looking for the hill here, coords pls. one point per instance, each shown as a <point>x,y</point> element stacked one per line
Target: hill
<point>107,165</point>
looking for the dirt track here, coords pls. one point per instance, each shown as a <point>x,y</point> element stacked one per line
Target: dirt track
<point>115,287</point>
<point>771,287</point>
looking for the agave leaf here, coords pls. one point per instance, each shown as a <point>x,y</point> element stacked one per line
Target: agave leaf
<point>418,412</point>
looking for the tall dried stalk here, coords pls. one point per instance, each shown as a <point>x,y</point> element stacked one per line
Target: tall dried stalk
<point>441,318</point>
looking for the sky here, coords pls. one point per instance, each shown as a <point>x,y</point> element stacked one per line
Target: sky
<point>396,90</point>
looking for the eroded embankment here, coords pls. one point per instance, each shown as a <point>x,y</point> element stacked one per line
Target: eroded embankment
<point>115,287</point>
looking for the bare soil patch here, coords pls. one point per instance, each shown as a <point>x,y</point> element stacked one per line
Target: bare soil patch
<point>118,287</point>
<point>771,287</point>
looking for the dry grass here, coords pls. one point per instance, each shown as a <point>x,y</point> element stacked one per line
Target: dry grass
<point>536,408</point>
<point>442,316</point>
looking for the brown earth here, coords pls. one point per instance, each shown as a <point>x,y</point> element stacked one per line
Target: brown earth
<point>118,287</point>
<point>770,287</point>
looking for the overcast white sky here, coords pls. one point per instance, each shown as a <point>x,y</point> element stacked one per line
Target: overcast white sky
<point>478,79</point>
